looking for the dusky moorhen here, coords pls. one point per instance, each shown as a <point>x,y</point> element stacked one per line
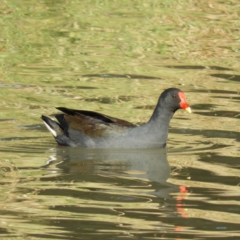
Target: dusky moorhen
<point>87,129</point>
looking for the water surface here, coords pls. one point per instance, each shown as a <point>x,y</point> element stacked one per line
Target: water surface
<point>116,57</point>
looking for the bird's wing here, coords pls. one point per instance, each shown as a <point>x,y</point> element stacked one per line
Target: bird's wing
<point>92,124</point>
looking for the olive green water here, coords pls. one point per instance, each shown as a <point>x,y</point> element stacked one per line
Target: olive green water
<point>116,57</point>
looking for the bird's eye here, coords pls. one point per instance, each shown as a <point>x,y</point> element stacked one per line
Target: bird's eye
<point>174,95</point>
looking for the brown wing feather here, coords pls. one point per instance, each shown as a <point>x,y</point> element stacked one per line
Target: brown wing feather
<point>120,122</point>
<point>86,125</point>
<point>100,118</point>
<point>95,128</point>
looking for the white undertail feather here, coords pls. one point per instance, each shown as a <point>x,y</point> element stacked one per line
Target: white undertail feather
<point>54,133</point>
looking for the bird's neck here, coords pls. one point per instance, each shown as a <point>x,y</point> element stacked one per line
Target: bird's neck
<point>161,116</point>
<point>157,126</point>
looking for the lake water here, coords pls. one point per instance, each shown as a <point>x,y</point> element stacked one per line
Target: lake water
<point>116,57</point>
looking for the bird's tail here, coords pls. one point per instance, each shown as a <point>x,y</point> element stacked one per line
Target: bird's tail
<point>52,126</point>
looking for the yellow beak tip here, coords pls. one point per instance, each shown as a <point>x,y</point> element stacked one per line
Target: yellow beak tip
<point>188,109</point>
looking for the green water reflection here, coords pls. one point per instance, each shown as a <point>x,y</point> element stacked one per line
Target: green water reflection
<point>116,57</point>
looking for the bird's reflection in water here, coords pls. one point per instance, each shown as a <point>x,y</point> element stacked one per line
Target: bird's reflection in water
<point>147,166</point>
<point>129,187</point>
